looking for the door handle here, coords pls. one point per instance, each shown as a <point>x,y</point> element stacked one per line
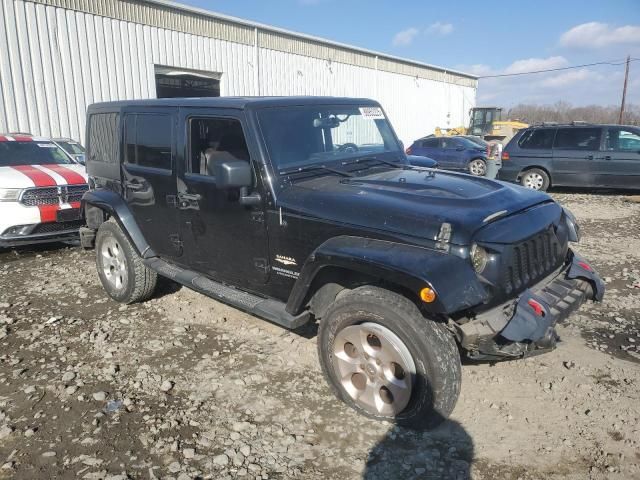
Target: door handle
<point>589,157</point>
<point>607,157</point>
<point>134,185</point>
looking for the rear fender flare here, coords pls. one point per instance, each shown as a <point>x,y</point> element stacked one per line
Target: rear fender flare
<point>113,204</point>
<point>456,285</point>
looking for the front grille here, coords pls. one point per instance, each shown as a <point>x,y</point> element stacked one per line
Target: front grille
<point>531,260</point>
<point>53,227</point>
<point>53,195</point>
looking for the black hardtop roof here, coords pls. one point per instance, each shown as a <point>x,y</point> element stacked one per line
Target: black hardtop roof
<point>577,125</point>
<point>233,102</point>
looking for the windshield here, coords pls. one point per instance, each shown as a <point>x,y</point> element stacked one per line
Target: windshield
<point>317,134</point>
<point>31,153</point>
<point>72,148</point>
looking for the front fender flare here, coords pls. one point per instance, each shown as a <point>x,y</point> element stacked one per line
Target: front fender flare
<point>112,203</point>
<point>456,285</point>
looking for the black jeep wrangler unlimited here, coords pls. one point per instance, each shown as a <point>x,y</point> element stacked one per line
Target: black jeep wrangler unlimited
<point>305,209</point>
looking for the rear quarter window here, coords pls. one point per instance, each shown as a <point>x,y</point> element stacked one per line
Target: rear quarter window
<point>102,140</point>
<point>537,139</point>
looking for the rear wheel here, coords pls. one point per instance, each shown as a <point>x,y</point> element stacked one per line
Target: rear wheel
<point>383,358</point>
<point>478,167</point>
<point>122,273</point>
<point>535,179</point>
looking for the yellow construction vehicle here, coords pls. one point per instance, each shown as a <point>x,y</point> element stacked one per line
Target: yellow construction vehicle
<point>486,123</point>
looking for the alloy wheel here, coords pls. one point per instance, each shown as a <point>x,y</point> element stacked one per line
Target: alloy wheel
<point>374,367</point>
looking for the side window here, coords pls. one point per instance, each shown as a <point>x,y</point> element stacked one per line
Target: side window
<point>537,138</point>
<point>430,143</point>
<point>578,138</point>
<point>447,143</point>
<point>148,140</point>
<point>213,141</point>
<point>622,140</point>
<point>102,140</point>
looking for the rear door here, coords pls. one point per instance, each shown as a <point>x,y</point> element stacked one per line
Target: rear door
<point>574,152</point>
<point>448,153</point>
<point>430,148</point>
<point>618,164</point>
<point>148,176</point>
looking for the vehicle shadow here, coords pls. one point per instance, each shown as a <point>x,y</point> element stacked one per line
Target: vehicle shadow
<point>445,452</point>
<point>604,192</point>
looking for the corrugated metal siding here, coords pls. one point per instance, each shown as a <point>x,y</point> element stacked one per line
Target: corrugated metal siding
<point>158,16</point>
<point>54,62</point>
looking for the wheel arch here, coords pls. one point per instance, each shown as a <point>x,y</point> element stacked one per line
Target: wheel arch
<point>100,204</point>
<point>346,262</point>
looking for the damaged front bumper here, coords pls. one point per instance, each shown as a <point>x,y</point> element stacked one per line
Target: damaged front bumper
<point>525,326</point>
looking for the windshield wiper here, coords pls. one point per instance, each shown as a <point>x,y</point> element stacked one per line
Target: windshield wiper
<point>376,159</point>
<point>307,168</point>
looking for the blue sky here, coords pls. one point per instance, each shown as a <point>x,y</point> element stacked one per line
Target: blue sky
<point>481,37</point>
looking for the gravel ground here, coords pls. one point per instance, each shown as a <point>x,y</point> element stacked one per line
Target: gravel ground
<point>184,387</point>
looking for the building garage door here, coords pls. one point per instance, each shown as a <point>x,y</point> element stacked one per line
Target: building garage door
<point>173,82</point>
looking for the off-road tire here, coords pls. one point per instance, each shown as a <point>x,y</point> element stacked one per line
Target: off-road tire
<point>141,281</point>
<point>544,176</point>
<point>436,384</point>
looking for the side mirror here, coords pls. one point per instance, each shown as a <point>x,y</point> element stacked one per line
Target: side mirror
<point>233,174</point>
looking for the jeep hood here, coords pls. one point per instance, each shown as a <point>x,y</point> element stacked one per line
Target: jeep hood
<point>410,202</point>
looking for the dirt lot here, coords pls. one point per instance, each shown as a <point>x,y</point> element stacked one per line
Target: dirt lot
<point>184,387</point>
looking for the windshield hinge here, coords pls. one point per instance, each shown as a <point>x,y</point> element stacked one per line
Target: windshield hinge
<point>443,238</point>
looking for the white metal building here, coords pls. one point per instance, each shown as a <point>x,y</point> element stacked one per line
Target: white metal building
<point>58,56</point>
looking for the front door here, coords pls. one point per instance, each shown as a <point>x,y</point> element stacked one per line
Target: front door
<point>618,165</point>
<point>574,151</point>
<point>148,176</point>
<point>449,153</point>
<point>221,237</point>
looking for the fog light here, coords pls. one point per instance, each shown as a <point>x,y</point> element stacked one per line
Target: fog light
<point>479,258</point>
<point>427,295</point>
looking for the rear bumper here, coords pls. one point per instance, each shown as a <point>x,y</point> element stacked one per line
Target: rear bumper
<point>508,174</point>
<point>526,325</point>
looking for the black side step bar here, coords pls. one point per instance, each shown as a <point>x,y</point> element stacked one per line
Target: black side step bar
<point>269,309</point>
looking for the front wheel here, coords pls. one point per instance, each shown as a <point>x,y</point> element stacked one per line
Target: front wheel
<point>383,358</point>
<point>478,167</point>
<point>535,179</point>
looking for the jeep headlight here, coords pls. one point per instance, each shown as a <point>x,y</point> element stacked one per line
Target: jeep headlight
<point>572,225</point>
<point>479,258</point>
<point>10,194</point>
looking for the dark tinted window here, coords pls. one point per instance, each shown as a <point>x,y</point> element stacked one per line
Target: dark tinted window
<point>578,138</point>
<point>450,143</point>
<point>213,141</point>
<point>538,138</point>
<point>430,143</point>
<point>622,139</point>
<point>102,142</point>
<point>148,140</point>
<point>31,153</point>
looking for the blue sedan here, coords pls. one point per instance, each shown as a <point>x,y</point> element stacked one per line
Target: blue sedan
<point>453,153</point>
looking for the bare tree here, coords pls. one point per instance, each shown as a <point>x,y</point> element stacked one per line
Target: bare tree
<point>563,112</point>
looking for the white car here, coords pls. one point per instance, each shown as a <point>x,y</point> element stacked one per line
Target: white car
<point>40,191</point>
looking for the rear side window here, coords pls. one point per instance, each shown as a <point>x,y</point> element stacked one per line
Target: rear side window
<point>430,143</point>
<point>537,139</point>
<point>102,142</point>
<point>578,138</point>
<point>148,140</point>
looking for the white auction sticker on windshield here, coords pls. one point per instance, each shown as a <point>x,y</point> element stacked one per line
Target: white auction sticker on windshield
<point>46,145</point>
<point>372,113</point>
